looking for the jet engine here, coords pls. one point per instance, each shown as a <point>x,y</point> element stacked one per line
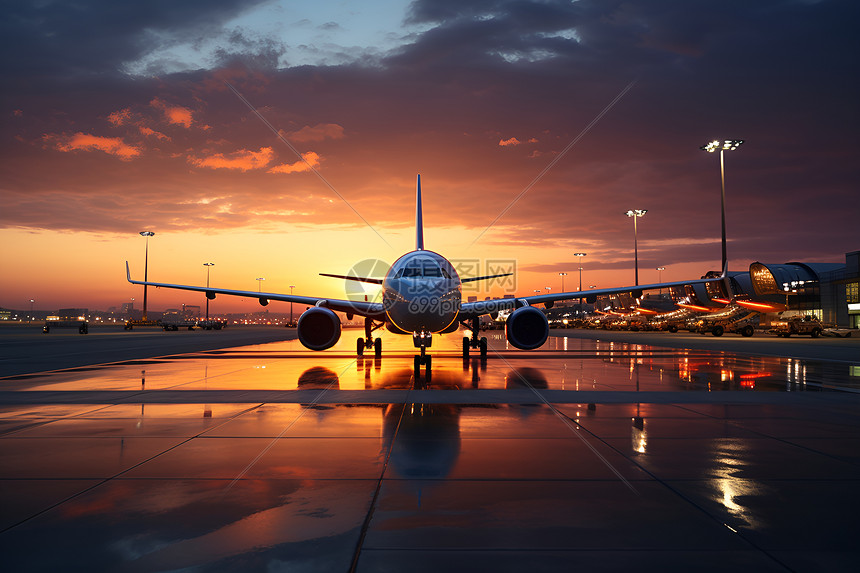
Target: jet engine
<point>527,328</point>
<point>319,328</point>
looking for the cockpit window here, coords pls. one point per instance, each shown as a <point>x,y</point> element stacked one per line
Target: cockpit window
<point>422,268</point>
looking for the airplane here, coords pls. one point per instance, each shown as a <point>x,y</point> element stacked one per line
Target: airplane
<point>421,296</point>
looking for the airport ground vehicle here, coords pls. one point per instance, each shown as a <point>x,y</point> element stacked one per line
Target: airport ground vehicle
<point>733,318</point>
<point>797,325</point>
<point>68,318</point>
<point>174,319</point>
<point>212,324</point>
<point>176,325</point>
<point>673,321</point>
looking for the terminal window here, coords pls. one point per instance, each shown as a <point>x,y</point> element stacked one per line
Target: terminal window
<point>852,293</point>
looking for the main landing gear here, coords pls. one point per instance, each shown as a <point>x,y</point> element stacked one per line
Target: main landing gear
<point>368,341</point>
<point>474,341</point>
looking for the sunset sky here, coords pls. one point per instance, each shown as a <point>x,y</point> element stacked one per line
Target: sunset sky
<point>118,117</point>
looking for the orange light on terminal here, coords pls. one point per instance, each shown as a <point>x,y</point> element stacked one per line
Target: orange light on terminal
<point>693,307</point>
<point>762,306</point>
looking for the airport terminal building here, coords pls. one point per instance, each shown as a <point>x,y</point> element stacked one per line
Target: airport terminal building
<point>829,291</point>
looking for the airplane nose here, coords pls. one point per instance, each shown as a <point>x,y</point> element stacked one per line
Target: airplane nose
<point>432,308</point>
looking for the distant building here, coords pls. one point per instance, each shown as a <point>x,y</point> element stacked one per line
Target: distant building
<point>840,293</point>
<point>828,291</point>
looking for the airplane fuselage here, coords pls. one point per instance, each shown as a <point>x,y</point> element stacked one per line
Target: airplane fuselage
<point>421,293</point>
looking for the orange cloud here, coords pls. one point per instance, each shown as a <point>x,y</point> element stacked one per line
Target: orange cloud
<point>174,113</point>
<point>86,142</point>
<point>242,160</point>
<point>120,117</point>
<point>148,131</point>
<point>318,132</point>
<point>311,159</point>
<point>511,141</point>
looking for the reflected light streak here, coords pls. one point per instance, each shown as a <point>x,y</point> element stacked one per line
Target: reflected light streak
<point>639,437</point>
<point>729,460</point>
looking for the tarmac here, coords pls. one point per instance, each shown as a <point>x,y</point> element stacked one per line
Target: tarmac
<point>601,451</point>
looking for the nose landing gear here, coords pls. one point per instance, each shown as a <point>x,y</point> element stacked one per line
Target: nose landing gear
<point>422,340</point>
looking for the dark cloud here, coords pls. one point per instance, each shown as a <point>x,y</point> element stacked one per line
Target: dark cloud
<point>59,38</point>
<point>780,74</point>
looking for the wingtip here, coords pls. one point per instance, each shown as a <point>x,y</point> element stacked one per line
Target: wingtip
<point>127,272</point>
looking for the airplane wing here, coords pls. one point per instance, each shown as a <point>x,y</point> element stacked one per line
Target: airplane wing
<point>369,309</point>
<point>478,308</point>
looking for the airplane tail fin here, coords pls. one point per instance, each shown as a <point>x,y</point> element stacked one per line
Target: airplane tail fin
<point>419,219</point>
<point>727,283</point>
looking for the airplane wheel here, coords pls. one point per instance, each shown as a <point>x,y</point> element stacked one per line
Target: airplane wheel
<point>428,363</point>
<point>377,347</point>
<point>359,347</point>
<point>483,345</point>
<point>747,331</point>
<point>466,347</point>
<point>718,330</point>
<point>417,363</point>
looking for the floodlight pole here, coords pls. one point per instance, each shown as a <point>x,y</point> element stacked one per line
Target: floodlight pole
<point>723,146</point>
<point>291,304</point>
<point>636,213</point>
<point>146,234</point>
<point>207,265</point>
<point>580,255</point>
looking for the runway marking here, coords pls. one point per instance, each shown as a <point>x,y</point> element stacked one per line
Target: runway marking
<point>365,526</point>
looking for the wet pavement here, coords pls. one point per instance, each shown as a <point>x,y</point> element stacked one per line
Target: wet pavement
<point>586,454</point>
